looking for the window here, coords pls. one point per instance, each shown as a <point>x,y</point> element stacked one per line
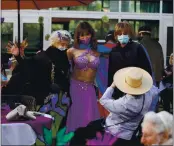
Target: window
<point>140,6</point>
<point>100,28</point>
<point>6,35</point>
<point>127,6</point>
<point>148,6</point>
<point>114,6</point>
<point>32,31</point>
<point>154,24</point>
<point>169,42</point>
<point>94,6</point>
<point>167,6</point>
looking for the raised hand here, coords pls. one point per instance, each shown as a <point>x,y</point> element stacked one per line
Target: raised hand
<point>12,49</point>
<point>113,85</point>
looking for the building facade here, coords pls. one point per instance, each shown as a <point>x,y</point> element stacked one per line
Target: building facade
<point>156,13</point>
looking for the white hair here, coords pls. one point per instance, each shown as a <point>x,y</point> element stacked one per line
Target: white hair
<point>56,36</point>
<point>162,121</point>
<point>167,120</point>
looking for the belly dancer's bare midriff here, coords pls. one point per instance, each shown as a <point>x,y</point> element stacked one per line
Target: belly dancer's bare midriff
<point>87,76</point>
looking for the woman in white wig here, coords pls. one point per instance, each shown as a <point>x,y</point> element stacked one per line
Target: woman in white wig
<point>37,73</point>
<point>157,129</point>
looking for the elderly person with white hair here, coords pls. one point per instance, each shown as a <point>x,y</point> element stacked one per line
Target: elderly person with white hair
<point>38,72</point>
<point>157,129</point>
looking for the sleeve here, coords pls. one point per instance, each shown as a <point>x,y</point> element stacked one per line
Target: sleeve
<point>161,57</point>
<point>102,71</point>
<point>19,59</point>
<point>110,74</point>
<point>113,106</point>
<point>15,85</point>
<point>144,60</point>
<point>67,70</point>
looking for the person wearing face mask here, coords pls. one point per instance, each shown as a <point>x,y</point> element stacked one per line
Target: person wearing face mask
<point>127,53</point>
<point>154,50</point>
<point>84,59</point>
<point>38,72</point>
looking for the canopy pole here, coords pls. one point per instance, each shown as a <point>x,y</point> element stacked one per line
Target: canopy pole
<point>19,31</point>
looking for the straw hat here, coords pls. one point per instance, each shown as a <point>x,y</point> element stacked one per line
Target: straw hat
<point>133,80</point>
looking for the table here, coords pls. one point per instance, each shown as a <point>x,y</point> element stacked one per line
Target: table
<point>23,132</point>
<point>18,134</point>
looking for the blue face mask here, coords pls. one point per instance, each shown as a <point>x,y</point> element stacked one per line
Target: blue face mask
<point>85,41</point>
<point>123,39</point>
<point>83,46</point>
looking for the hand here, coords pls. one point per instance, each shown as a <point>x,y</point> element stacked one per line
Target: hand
<point>38,51</point>
<point>12,49</point>
<point>113,85</point>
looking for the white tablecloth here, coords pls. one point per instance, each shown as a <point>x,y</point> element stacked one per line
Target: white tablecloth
<point>18,134</point>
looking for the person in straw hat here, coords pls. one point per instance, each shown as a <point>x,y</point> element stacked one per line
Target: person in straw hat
<point>127,111</point>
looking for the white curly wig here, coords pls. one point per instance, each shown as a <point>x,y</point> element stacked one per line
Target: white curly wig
<point>59,35</point>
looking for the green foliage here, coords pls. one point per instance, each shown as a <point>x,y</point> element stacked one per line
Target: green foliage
<point>6,28</point>
<point>6,35</point>
<point>62,138</point>
<point>57,27</point>
<point>94,6</point>
<point>47,134</point>
<point>105,19</point>
<point>40,19</point>
<point>32,33</point>
<point>98,25</point>
<point>98,6</point>
<point>47,36</point>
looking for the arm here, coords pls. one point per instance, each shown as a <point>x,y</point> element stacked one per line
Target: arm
<point>144,60</point>
<point>14,50</point>
<point>110,74</point>
<point>113,106</point>
<point>105,49</point>
<point>70,58</point>
<point>106,55</point>
<point>162,60</point>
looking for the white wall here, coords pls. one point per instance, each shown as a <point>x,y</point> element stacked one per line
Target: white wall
<point>31,16</point>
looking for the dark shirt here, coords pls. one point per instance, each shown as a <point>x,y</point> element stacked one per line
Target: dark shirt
<point>132,54</point>
<point>155,53</point>
<point>34,75</point>
<point>168,78</point>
